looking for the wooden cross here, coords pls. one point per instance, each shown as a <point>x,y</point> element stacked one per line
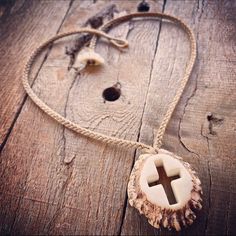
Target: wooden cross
<point>165,181</point>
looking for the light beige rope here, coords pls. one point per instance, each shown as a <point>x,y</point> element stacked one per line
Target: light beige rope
<point>119,43</point>
<point>193,53</point>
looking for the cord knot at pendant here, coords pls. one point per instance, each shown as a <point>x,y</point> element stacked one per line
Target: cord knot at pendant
<point>150,150</point>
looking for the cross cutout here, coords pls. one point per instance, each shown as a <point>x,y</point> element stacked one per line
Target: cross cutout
<point>165,181</point>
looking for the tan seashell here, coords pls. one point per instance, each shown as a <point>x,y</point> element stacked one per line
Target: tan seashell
<point>88,57</point>
<point>151,199</point>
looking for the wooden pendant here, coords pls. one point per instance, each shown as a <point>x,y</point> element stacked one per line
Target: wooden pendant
<point>165,189</point>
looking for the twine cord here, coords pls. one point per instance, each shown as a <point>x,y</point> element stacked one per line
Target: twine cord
<point>118,43</point>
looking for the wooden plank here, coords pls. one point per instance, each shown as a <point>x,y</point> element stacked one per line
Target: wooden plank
<point>202,129</point>
<point>40,194</point>
<point>23,26</point>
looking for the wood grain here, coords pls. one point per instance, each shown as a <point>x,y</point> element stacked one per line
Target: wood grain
<point>23,26</point>
<point>54,194</point>
<point>54,181</point>
<point>208,94</point>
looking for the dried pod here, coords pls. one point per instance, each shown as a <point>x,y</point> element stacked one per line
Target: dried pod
<point>165,189</point>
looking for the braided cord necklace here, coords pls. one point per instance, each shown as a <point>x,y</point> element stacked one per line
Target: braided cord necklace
<point>166,204</point>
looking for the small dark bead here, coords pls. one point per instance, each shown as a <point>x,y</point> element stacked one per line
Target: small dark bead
<point>143,6</point>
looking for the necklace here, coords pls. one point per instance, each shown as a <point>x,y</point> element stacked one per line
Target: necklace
<point>162,186</point>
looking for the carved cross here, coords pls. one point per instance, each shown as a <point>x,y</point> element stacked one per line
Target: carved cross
<point>165,181</point>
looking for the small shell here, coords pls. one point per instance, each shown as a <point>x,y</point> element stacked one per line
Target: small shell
<point>89,57</point>
<point>152,201</point>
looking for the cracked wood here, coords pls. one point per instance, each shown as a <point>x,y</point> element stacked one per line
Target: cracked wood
<point>81,186</point>
<point>23,26</point>
<point>202,129</point>
<point>54,181</point>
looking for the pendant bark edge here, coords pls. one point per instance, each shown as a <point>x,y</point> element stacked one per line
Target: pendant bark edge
<point>157,215</point>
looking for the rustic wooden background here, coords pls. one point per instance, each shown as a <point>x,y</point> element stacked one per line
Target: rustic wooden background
<point>54,181</point>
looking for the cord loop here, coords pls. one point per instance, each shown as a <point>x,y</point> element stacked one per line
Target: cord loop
<point>120,43</point>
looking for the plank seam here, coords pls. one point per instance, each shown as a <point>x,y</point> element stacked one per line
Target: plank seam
<point>2,145</point>
<point>23,103</point>
<point>141,123</point>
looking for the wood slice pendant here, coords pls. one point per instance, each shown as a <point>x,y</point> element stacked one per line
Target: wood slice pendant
<point>165,189</point>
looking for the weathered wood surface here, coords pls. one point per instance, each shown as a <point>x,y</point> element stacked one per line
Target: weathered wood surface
<point>54,181</point>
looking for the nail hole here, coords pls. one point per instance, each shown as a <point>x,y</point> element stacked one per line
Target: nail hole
<point>111,94</point>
